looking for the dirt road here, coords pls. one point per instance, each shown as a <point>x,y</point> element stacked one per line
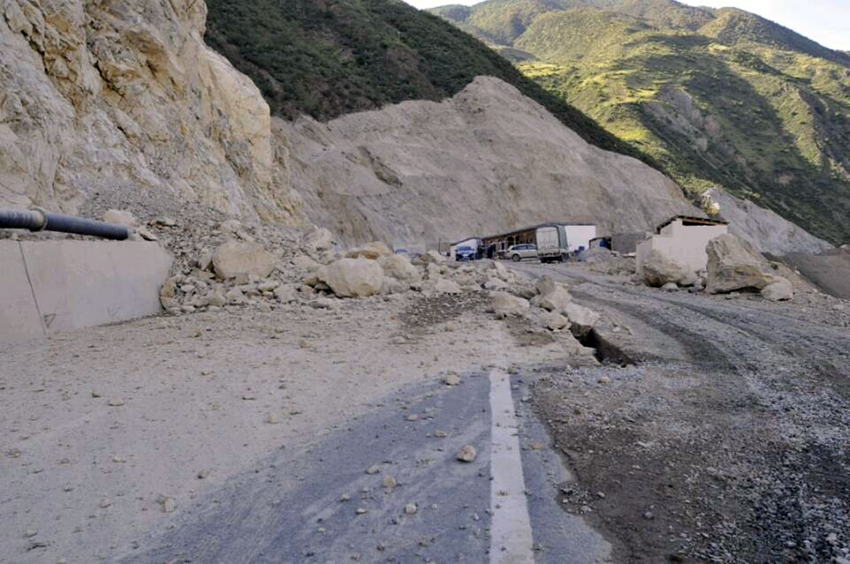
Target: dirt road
<point>726,440</point>
<point>716,431</point>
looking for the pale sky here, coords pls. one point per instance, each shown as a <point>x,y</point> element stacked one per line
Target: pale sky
<point>825,21</point>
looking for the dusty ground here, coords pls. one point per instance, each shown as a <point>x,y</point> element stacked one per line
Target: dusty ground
<point>719,431</point>
<point>726,442</point>
<point>98,425</point>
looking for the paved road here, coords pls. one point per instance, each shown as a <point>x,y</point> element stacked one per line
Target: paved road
<point>328,502</point>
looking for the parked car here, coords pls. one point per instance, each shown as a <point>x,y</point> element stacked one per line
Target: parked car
<point>465,253</point>
<point>517,253</point>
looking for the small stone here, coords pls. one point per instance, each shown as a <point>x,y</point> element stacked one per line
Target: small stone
<point>389,482</point>
<point>272,419</point>
<point>204,474</point>
<point>649,515</point>
<point>344,498</point>
<point>373,469</point>
<point>412,417</point>
<point>95,394</point>
<point>169,504</point>
<point>411,509</point>
<point>118,460</point>
<point>604,380</point>
<point>116,403</point>
<point>452,380</point>
<point>440,434</point>
<point>360,511</point>
<point>467,454</point>
<point>30,533</point>
<point>537,446</point>
<point>105,504</point>
<point>304,344</point>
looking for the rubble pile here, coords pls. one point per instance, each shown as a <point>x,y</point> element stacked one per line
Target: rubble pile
<point>606,261</point>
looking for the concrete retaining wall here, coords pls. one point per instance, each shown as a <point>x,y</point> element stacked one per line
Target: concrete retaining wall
<point>48,287</point>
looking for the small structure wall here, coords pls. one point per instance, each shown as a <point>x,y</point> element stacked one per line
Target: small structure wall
<point>683,243</point>
<point>54,286</point>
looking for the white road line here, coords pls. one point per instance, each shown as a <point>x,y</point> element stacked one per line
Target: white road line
<point>510,532</point>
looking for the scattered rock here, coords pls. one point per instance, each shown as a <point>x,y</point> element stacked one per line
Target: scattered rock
<point>353,278</point>
<point>121,217</point>
<point>467,454</point>
<point>400,268</point>
<point>411,509</point>
<point>452,380</point>
<point>582,319</point>
<point>116,402</point>
<point>371,251</point>
<point>555,321</point>
<point>445,286</point>
<point>556,300</point>
<point>389,482</point>
<point>234,259</point>
<point>317,240</point>
<point>441,434</point>
<point>660,269</point>
<point>373,469</point>
<point>505,304</point>
<point>169,504</point>
<point>779,290</point>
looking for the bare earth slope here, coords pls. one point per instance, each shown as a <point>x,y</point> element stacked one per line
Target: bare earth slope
<point>486,160</point>
<point>125,96</point>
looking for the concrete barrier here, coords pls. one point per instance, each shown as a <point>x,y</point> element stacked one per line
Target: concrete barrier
<point>54,286</point>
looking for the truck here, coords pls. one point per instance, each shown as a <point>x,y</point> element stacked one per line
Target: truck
<point>552,244</point>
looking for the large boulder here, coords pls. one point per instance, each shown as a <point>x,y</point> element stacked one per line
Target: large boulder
<point>400,268</point>
<point>372,251</point>
<point>505,305</point>
<point>353,278</point>
<point>556,300</point>
<point>780,290</point>
<point>234,259</point>
<point>544,285</point>
<point>318,240</point>
<point>732,266</point>
<point>582,319</point>
<point>660,269</point>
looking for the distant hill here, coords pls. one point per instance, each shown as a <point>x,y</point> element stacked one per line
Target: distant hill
<point>327,58</point>
<point>717,97</point>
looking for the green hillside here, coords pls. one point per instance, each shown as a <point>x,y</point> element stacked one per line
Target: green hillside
<point>718,97</point>
<point>326,58</point>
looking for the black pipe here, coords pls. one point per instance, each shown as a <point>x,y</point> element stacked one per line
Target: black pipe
<point>37,221</point>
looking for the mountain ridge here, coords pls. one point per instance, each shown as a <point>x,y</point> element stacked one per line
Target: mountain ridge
<point>717,97</point>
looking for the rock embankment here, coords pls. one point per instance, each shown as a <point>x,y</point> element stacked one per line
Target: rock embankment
<point>484,161</point>
<point>124,97</point>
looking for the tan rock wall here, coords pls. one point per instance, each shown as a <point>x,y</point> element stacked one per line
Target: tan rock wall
<point>107,95</point>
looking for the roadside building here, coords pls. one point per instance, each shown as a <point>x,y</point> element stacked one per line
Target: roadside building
<point>683,239</point>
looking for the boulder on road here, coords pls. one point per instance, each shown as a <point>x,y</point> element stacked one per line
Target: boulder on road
<point>505,304</point>
<point>372,251</point>
<point>234,259</point>
<point>353,278</point>
<point>544,285</point>
<point>556,300</point>
<point>582,319</point>
<point>780,290</point>
<point>733,266</point>
<point>400,268</point>
<point>660,269</point>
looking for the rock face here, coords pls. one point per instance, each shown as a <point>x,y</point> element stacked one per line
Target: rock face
<point>353,278</point>
<point>659,270</point>
<point>110,96</point>
<point>234,259</point>
<point>763,229</point>
<point>732,266</point>
<point>412,171</point>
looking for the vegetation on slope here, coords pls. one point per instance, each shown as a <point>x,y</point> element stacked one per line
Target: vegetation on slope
<point>718,97</point>
<point>326,58</point>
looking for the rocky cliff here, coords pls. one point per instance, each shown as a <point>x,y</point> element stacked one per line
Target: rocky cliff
<point>486,160</point>
<point>108,96</point>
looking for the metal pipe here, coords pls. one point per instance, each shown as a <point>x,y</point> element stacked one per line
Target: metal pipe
<point>36,220</point>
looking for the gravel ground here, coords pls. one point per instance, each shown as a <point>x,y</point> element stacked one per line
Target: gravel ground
<point>726,442</point>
